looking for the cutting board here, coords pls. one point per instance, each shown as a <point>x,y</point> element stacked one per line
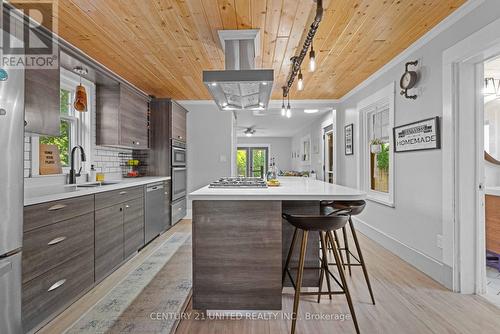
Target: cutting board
<point>50,161</point>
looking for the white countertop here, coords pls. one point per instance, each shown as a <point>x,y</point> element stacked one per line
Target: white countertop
<point>494,191</point>
<point>37,195</point>
<point>297,188</point>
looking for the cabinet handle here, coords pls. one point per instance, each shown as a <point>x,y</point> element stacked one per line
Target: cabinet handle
<point>123,192</point>
<point>56,241</point>
<point>121,209</point>
<point>57,284</point>
<point>56,207</point>
<point>179,137</point>
<point>127,206</point>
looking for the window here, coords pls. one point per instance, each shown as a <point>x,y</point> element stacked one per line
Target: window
<point>75,126</point>
<point>377,160</point>
<point>252,161</point>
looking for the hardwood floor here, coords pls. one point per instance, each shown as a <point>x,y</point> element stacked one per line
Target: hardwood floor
<point>407,302</point>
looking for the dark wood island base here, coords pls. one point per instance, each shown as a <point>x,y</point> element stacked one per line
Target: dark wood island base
<point>239,249</point>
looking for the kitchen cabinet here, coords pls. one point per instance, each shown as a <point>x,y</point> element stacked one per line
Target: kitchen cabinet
<point>58,257</point>
<point>133,222</point>
<point>119,228</point>
<point>178,122</point>
<point>122,117</point>
<point>167,205</point>
<point>42,100</point>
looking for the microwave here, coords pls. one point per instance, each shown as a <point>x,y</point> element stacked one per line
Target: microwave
<point>178,153</point>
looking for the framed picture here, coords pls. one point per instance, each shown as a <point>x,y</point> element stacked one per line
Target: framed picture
<point>417,136</point>
<point>349,139</point>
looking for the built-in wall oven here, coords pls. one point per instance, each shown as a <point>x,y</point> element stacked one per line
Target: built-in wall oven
<point>179,181</point>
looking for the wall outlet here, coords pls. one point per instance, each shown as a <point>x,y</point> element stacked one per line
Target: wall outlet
<point>439,241</point>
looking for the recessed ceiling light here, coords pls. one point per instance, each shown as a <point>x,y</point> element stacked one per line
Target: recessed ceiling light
<point>213,84</point>
<point>264,83</point>
<point>311,111</point>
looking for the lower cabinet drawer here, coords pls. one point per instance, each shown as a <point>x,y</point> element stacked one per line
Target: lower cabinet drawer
<point>49,246</point>
<point>49,293</point>
<point>179,208</point>
<point>110,198</point>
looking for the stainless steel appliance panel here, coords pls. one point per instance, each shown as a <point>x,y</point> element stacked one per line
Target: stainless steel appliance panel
<point>12,161</point>
<point>178,156</point>
<point>155,220</point>
<point>10,294</point>
<point>179,183</point>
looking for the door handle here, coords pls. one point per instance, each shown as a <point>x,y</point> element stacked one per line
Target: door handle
<point>56,207</point>
<point>56,241</point>
<point>57,284</point>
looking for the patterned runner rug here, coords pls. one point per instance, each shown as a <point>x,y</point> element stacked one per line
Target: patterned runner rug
<point>149,298</point>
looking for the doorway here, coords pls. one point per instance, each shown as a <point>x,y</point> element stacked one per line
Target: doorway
<point>329,154</point>
<point>252,161</point>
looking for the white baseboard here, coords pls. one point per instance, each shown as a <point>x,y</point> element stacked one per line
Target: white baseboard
<point>438,271</point>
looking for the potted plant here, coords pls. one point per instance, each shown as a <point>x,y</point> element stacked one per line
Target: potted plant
<point>376,146</point>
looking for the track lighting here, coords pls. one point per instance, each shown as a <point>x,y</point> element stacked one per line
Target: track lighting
<point>300,82</point>
<point>312,60</point>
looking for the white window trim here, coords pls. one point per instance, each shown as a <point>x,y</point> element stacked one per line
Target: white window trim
<point>82,136</point>
<point>384,97</point>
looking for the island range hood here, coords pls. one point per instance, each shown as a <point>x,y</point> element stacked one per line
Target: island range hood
<point>240,86</point>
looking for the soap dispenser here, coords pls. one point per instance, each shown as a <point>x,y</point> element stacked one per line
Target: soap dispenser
<point>92,174</point>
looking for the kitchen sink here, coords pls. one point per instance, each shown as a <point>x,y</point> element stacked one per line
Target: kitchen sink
<point>96,184</point>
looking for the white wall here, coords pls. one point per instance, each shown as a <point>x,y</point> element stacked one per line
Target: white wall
<point>280,147</point>
<point>315,130</point>
<point>412,226</point>
<point>209,144</point>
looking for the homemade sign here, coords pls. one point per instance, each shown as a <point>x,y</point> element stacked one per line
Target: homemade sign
<point>417,136</point>
<point>349,139</point>
<point>50,161</point>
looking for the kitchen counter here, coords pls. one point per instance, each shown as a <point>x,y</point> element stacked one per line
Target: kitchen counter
<point>494,191</point>
<point>291,188</point>
<point>37,195</point>
<point>240,241</point>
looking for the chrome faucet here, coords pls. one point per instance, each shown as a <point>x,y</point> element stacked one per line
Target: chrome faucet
<point>72,173</point>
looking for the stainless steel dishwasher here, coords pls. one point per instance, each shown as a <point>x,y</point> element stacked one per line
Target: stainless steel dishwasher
<point>155,220</point>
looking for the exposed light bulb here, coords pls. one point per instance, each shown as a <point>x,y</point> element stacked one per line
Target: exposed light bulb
<point>248,134</point>
<point>288,111</point>
<point>300,82</point>
<point>312,60</point>
<point>283,110</point>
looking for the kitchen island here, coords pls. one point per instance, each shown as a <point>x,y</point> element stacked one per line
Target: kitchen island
<point>240,241</point>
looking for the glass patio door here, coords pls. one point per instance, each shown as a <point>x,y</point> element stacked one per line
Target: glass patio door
<point>252,161</point>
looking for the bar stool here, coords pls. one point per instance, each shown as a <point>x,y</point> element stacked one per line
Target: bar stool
<point>324,225</point>
<point>352,208</point>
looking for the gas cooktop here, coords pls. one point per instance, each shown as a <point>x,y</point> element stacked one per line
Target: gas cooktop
<point>239,182</point>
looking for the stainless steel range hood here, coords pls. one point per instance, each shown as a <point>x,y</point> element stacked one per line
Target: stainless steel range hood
<point>240,86</point>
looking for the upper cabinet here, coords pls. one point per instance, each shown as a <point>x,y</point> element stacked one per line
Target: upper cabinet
<point>178,122</point>
<point>42,101</point>
<point>122,117</point>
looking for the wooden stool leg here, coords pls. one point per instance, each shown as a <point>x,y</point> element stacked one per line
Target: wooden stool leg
<point>338,243</point>
<point>324,266</point>
<point>300,271</point>
<point>363,265</point>
<point>346,288</point>
<point>346,247</point>
<point>288,258</point>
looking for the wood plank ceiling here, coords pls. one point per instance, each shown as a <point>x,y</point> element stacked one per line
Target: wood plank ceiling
<point>162,46</point>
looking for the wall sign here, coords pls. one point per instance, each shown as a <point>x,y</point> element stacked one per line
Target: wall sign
<point>50,162</point>
<point>349,139</point>
<point>417,136</point>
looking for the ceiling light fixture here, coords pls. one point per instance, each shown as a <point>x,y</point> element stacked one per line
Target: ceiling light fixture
<point>283,109</point>
<point>312,60</point>
<point>213,84</point>
<point>300,82</point>
<point>249,132</point>
<point>311,111</point>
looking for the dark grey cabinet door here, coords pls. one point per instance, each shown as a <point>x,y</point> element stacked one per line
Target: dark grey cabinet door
<point>108,240</point>
<point>133,222</point>
<point>42,101</point>
<point>133,119</point>
<point>178,119</point>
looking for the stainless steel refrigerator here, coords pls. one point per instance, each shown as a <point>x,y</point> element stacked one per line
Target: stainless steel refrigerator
<point>11,197</point>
